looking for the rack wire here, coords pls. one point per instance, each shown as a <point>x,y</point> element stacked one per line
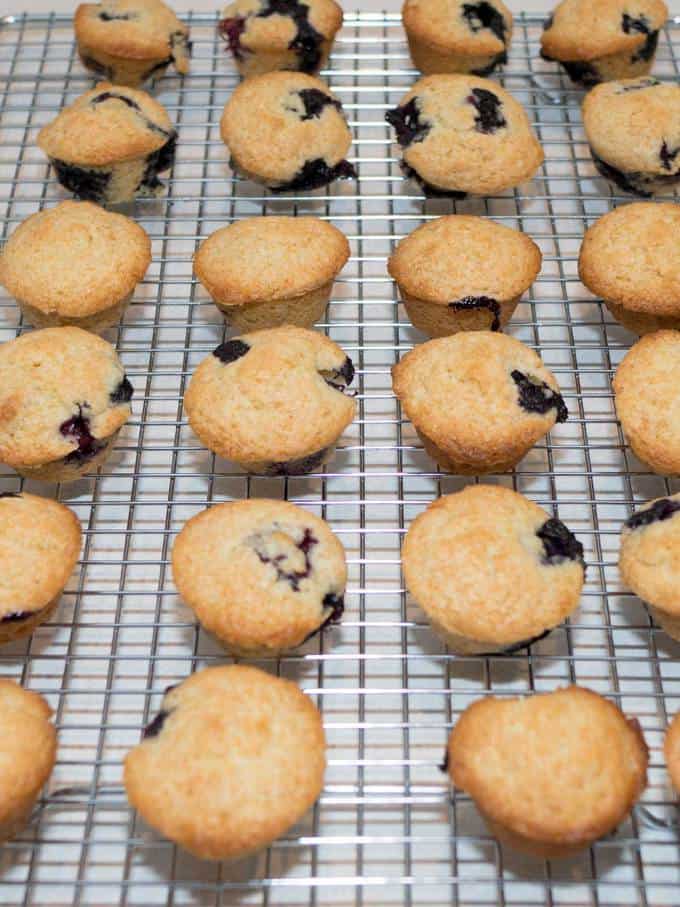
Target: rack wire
<point>386,830</point>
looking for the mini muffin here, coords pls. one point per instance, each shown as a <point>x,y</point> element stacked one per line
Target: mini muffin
<point>464,135</point>
<point>267,271</point>
<point>266,35</point>
<point>461,273</point>
<point>492,571</point>
<point>549,773</point>
<point>287,131</point>
<point>130,41</point>
<point>234,758</point>
<point>671,749</point>
<point>63,399</point>
<point>631,258</point>
<point>650,560</point>
<point>75,264</point>
<point>275,402</point>
<point>262,576</point>
<point>633,128</point>
<point>110,145</point>
<point>647,400</point>
<point>452,36</point>
<point>478,401</point>
<point>39,547</point>
<point>599,40</point>
<point>28,751</point>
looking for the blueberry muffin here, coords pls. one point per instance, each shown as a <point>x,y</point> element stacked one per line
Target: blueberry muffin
<point>110,145</point>
<point>461,273</point>
<point>28,751</point>
<point>260,575</point>
<point>631,258</point>
<point>549,773</point>
<point>275,402</point>
<point>267,35</point>
<point>464,135</point>
<point>478,401</point>
<point>287,131</point>
<point>233,759</point>
<point>452,36</point>
<point>268,271</point>
<point>75,264</point>
<point>63,399</point>
<point>647,400</point>
<point>633,128</point>
<point>650,560</point>
<point>130,41</point>
<point>39,547</point>
<point>599,40</point>
<point>492,571</point>
<point>671,749</point>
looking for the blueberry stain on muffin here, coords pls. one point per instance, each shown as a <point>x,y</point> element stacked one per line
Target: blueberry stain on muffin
<point>480,302</point>
<point>230,351</point>
<point>315,174</point>
<point>77,429</point>
<point>525,643</point>
<point>17,616</point>
<point>488,105</point>
<point>230,30</point>
<point>663,509</point>
<point>117,17</point>
<point>336,604</point>
<point>484,15</point>
<point>536,396</point>
<point>299,467</point>
<point>267,545</point>
<point>315,102</point>
<point>407,123</point>
<point>10,494</point>
<point>667,156</point>
<point>89,185</point>
<point>123,392</point>
<point>638,86</point>
<point>341,378</point>
<point>429,190</point>
<point>559,543</point>
<point>640,25</point>
<point>156,726</point>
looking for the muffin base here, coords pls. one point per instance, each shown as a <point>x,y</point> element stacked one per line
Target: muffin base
<point>669,623</point>
<point>641,322</point>
<point>302,311</point>
<point>430,190</point>
<point>298,467</point>
<point>315,174</point>
<point>546,850</point>
<point>431,60</point>
<point>465,645</point>
<point>471,466</point>
<point>17,822</point>
<point>442,320</point>
<point>588,73</point>
<point>68,471</point>
<point>254,63</point>
<point>11,630</point>
<point>637,183</point>
<point>121,71</point>
<point>95,322</point>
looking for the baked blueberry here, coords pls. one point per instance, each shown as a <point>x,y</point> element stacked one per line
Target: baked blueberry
<point>156,726</point>
<point>536,396</point>
<point>489,118</point>
<point>661,509</point>
<point>467,303</point>
<point>559,543</point>
<point>230,351</point>
<point>407,123</point>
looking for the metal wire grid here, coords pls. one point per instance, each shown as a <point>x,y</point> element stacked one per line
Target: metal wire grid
<point>386,830</point>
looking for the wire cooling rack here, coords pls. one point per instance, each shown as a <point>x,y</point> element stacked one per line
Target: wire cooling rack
<point>386,830</point>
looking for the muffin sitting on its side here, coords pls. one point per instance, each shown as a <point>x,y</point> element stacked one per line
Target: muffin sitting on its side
<point>265,272</point>
<point>130,41</point>
<point>75,264</point>
<point>453,36</point>
<point>110,145</point>
<point>599,40</point>
<point>266,35</point>
<point>459,273</point>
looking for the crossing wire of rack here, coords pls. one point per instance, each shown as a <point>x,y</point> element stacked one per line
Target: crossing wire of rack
<point>386,830</point>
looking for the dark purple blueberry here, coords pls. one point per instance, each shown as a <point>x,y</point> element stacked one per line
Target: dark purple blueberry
<point>114,96</point>
<point>634,182</point>
<point>314,102</point>
<point>444,764</point>
<point>429,190</point>
<point>77,429</point>
<point>17,616</point>
<point>631,24</point>
<point>667,156</point>
<point>307,41</point>
<point>489,68</point>
<point>660,510</point>
<point>336,603</point>
<point>158,67</point>
<point>559,543</point>
<point>648,49</point>
<point>406,122</point>
<point>117,17</point>
<point>341,378</point>
<point>479,302</point>
<point>230,351</point>
<point>10,494</point>
<point>89,185</point>
<point>535,396</point>
<point>106,72</point>
<point>315,174</point>
<point>549,22</point>
<point>580,73</point>
<point>484,15</point>
<point>643,83</point>
<point>292,577</point>
<point>158,162</point>
<point>300,467</point>
<point>488,105</point>
<point>123,393</point>
<point>156,726</point>
<point>230,30</point>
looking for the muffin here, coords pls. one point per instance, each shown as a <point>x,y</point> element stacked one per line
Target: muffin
<point>650,560</point>
<point>63,399</point>
<point>287,131</point>
<point>631,258</point>
<point>275,402</point>
<point>266,35</point>
<point>268,271</point>
<point>599,40</point>
<point>550,773</point>
<point>478,401</point>
<point>110,145</point>
<point>130,41</point>
<point>75,264</point>
<point>464,135</point>
<point>633,128</point>
<point>492,571</point>
<point>28,751</point>
<point>461,273</point>
<point>234,758</point>
<point>262,576</point>
<point>647,401</point>
<point>39,547</point>
<point>672,751</point>
<point>452,36</point>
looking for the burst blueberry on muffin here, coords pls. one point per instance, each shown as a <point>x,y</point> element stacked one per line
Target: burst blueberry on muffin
<point>287,131</point>
<point>599,40</point>
<point>110,145</point>
<point>63,399</point>
<point>130,41</point>
<point>268,35</point>
<point>464,135</point>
